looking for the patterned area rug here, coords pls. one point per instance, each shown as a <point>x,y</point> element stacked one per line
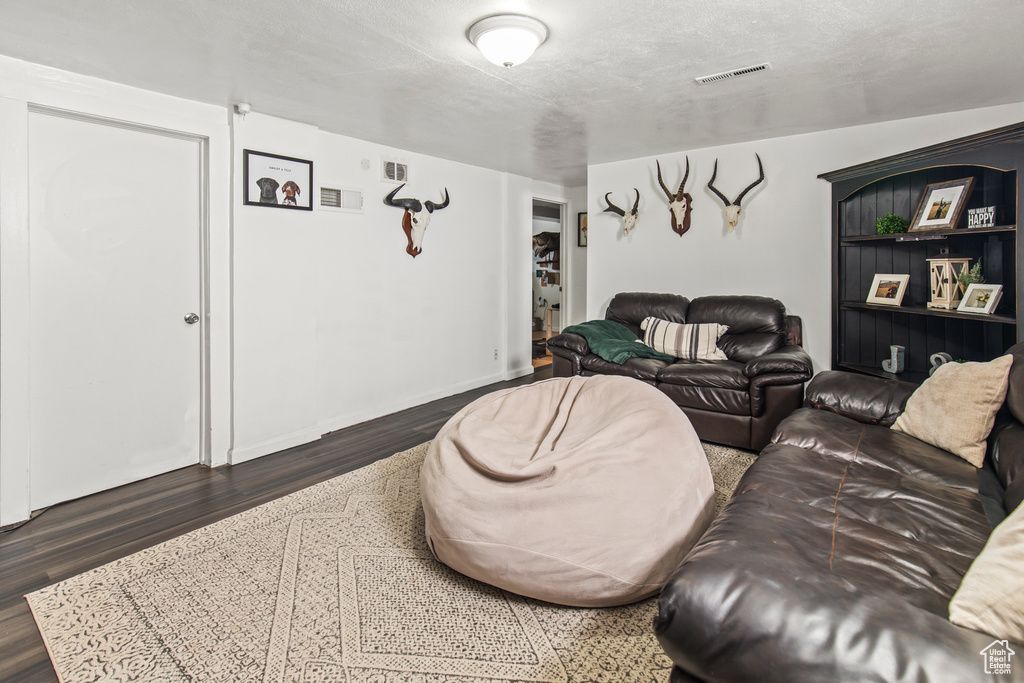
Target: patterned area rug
<point>334,584</point>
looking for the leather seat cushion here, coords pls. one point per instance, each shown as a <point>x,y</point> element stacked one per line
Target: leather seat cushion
<point>848,440</point>
<point>712,399</point>
<point>943,517</point>
<point>646,369</point>
<point>725,374</point>
<point>585,491</point>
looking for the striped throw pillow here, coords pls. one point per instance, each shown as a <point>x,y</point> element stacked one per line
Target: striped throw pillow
<point>689,342</point>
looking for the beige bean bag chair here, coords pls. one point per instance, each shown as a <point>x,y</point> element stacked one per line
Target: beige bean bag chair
<point>584,491</point>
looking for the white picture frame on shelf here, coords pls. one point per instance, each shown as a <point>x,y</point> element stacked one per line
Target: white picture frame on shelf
<point>888,289</point>
<point>980,298</point>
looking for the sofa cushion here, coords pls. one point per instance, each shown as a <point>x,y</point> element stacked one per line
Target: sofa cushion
<point>757,324</point>
<point>840,437</point>
<point>726,374</point>
<point>951,519</point>
<point>646,369</point>
<point>991,595</point>
<point>712,399</point>
<point>681,340</point>
<point>630,308</point>
<point>955,408</point>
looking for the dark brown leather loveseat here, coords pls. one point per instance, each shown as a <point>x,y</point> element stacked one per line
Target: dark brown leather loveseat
<point>837,556</point>
<point>736,402</point>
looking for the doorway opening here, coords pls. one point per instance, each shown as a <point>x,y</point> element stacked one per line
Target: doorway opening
<point>547,278</point>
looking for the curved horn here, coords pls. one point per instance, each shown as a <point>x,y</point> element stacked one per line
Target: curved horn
<point>404,203</point>
<point>752,185</point>
<point>432,207</point>
<point>711,186</point>
<point>661,182</point>
<point>681,191</point>
<point>637,202</point>
<point>612,208</point>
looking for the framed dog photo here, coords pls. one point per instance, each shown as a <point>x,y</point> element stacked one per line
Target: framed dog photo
<point>278,181</point>
<point>980,298</point>
<point>888,289</point>
<point>942,204</point>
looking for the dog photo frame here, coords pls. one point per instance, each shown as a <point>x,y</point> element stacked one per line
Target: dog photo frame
<point>277,181</point>
<point>941,205</point>
<point>888,289</point>
<point>980,298</point>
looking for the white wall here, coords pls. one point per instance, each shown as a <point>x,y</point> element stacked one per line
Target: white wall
<point>275,301</point>
<point>782,246</point>
<point>574,284</point>
<point>334,322</point>
<point>393,331</point>
<point>517,273</point>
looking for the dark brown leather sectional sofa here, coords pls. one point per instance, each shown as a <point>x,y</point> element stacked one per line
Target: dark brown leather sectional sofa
<point>736,402</point>
<point>838,554</point>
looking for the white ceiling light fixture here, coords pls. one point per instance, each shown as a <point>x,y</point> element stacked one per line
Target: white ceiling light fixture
<point>508,39</point>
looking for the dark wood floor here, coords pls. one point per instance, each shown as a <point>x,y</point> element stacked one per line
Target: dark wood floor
<point>79,535</point>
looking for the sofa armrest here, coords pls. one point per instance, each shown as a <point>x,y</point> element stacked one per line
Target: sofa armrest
<point>867,399</point>
<point>570,342</point>
<point>789,360</point>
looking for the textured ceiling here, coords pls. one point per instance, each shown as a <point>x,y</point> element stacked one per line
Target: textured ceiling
<point>614,80</point>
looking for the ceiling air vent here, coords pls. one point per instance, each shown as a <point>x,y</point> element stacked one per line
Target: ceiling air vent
<point>394,171</point>
<point>714,78</point>
<point>347,199</point>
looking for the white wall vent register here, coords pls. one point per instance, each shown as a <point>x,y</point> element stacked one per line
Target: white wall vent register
<point>394,171</point>
<point>347,199</point>
<point>714,78</point>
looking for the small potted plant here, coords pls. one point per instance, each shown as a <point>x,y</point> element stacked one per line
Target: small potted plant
<point>891,224</point>
<point>970,277</point>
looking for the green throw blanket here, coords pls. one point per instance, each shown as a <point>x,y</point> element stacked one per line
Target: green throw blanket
<point>614,342</point>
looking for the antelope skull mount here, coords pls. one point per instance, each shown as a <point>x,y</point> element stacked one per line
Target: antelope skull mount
<point>416,218</point>
<point>680,203</point>
<point>628,219</point>
<point>732,209</point>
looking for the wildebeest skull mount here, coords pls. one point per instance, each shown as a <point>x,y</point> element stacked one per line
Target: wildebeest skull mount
<point>416,218</point>
<point>628,219</point>
<point>680,203</point>
<point>732,209</point>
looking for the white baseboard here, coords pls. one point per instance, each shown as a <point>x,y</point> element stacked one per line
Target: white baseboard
<point>342,421</point>
<point>519,372</point>
<point>280,443</point>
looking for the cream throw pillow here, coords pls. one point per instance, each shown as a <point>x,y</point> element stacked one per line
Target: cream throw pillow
<point>954,409</point>
<point>991,595</point>
<point>696,341</point>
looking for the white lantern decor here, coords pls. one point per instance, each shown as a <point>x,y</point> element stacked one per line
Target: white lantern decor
<point>945,280</point>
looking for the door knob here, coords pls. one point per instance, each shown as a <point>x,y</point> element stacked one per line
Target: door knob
<point>191,318</point>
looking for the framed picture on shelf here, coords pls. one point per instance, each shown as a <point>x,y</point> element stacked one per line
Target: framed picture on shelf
<point>277,181</point>
<point>581,229</point>
<point>942,204</point>
<point>888,289</point>
<point>980,298</point>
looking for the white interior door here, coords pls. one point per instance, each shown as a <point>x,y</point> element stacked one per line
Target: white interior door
<point>115,225</point>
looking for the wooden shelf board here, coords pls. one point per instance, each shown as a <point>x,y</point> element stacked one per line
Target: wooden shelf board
<point>923,235</point>
<point>935,312</point>
<point>905,376</point>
